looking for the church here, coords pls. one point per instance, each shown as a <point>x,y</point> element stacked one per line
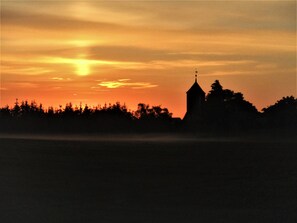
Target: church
<point>195,102</point>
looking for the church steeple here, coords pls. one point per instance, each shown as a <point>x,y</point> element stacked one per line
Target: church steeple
<point>195,100</point>
<point>196,89</point>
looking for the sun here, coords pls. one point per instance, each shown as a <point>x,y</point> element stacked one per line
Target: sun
<point>82,67</point>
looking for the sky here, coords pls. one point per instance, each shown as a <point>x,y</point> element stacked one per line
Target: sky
<point>97,52</point>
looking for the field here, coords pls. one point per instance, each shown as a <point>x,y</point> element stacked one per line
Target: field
<point>148,179</point>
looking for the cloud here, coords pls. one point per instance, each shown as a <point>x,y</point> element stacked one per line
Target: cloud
<point>58,78</point>
<point>35,20</point>
<point>24,69</point>
<point>25,85</point>
<point>125,83</point>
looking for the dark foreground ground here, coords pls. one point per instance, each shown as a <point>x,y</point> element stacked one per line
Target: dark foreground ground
<point>47,180</point>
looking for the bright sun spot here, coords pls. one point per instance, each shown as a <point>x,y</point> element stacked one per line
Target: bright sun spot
<point>82,67</point>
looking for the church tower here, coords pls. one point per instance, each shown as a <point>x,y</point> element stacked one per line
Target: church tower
<point>195,101</point>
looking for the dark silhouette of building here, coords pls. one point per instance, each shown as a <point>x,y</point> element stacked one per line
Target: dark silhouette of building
<point>195,102</point>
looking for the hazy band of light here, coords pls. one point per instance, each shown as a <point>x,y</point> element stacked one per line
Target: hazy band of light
<point>55,52</point>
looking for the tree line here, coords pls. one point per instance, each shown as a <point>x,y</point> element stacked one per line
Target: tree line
<point>224,112</point>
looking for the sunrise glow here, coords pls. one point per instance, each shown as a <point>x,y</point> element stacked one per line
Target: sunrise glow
<point>96,52</point>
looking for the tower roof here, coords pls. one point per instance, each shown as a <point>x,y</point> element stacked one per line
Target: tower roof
<point>195,89</point>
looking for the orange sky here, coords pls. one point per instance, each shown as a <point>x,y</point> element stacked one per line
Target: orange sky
<point>139,51</point>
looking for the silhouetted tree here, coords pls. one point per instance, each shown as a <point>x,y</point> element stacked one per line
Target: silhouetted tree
<point>5,112</point>
<point>226,110</point>
<point>145,112</point>
<point>86,111</point>
<point>50,111</point>
<point>16,109</point>
<point>287,105</point>
<point>283,114</point>
<point>68,109</point>
<point>142,111</point>
<point>216,94</point>
<point>30,110</point>
<point>153,118</point>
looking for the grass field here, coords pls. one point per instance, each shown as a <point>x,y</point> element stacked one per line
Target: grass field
<point>48,180</point>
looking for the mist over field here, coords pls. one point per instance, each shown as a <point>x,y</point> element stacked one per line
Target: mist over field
<point>147,178</point>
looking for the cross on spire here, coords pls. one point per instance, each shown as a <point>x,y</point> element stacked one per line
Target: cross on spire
<point>196,73</point>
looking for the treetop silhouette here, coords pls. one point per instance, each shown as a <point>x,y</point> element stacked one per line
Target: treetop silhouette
<point>221,111</point>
